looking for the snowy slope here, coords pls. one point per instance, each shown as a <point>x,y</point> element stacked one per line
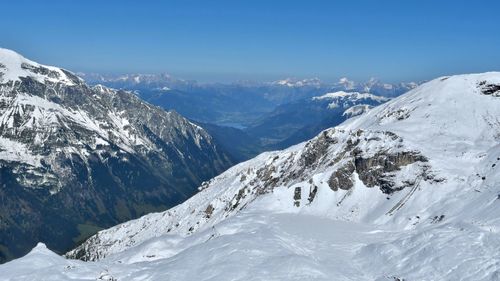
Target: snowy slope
<point>284,246</point>
<point>350,96</point>
<point>13,66</point>
<point>349,100</point>
<point>407,191</point>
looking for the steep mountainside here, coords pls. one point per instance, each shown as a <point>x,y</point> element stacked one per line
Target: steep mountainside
<point>239,145</point>
<point>407,191</point>
<point>75,158</point>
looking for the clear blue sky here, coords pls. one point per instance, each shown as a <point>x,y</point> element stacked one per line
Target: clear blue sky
<point>258,40</point>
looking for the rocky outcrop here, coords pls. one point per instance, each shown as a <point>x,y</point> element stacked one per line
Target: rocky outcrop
<point>342,177</point>
<point>312,194</point>
<point>489,89</point>
<point>376,170</point>
<point>297,195</point>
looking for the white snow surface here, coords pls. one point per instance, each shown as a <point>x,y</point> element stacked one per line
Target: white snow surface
<point>13,151</point>
<point>356,110</point>
<point>249,224</point>
<point>14,66</point>
<point>291,82</point>
<point>354,95</point>
<point>342,98</point>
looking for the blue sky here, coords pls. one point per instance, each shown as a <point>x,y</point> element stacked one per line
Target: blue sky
<point>258,40</point>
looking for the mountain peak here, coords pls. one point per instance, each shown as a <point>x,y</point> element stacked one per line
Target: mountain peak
<point>344,94</point>
<point>14,66</point>
<point>10,53</point>
<point>460,107</point>
<point>293,82</point>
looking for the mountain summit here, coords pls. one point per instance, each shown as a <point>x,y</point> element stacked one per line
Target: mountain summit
<point>14,67</point>
<point>75,158</point>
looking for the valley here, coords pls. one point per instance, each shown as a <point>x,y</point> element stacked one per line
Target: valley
<point>370,199</point>
<point>272,115</point>
<point>249,140</point>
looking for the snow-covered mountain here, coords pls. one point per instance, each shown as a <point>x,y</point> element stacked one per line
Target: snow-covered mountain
<point>75,158</point>
<point>291,82</point>
<point>346,99</point>
<point>407,191</point>
<point>160,81</point>
<point>375,86</point>
<point>163,81</point>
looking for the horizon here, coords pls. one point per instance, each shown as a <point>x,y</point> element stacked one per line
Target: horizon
<point>283,78</point>
<point>226,42</point>
<point>278,79</point>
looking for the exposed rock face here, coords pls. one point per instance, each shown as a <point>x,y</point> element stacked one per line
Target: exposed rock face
<point>374,167</point>
<point>342,178</point>
<point>489,89</point>
<point>312,194</point>
<point>375,171</point>
<point>74,158</point>
<point>297,196</point>
<point>317,149</point>
<point>209,210</point>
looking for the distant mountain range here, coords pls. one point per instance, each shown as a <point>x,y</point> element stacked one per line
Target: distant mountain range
<point>76,158</point>
<point>274,115</point>
<point>164,82</point>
